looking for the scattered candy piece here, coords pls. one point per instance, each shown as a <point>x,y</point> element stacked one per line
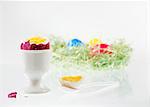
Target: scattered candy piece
<point>103,45</point>
<point>72,78</point>
<point>70,81</point>
<point>94,41</point>
<point>75,43</point>
<point>12,95</point>
<point>100,49</point>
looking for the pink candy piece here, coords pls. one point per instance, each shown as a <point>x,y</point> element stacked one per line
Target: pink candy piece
<point>12,95</point>
<point>25,46</point>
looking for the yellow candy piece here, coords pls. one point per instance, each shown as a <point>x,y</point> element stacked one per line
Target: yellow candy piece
<point>95,41</point>
<point>37,40</point>
<point>72,78</point>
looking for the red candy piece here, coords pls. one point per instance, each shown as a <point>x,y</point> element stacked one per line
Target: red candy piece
<point>12,95</point>
<point>104,46</point>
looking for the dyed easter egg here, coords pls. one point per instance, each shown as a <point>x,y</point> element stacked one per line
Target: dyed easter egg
<point>75,43</point>
<point>94,41</point>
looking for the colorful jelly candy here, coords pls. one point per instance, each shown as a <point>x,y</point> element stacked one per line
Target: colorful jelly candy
<point>12,95</point>
<point>35,43</point>
<point>75,43</point>
<point>94,41</point>
<point>100,49</point>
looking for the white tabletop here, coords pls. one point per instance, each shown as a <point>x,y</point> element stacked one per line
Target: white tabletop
<point>132,93</point>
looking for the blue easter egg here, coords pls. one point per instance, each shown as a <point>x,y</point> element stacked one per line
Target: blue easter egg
<point>75,43</point>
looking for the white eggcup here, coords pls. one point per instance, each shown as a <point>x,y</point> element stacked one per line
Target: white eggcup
<point>36,65</point>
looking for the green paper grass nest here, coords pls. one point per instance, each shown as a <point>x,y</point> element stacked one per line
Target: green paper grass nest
<point>66,58</point>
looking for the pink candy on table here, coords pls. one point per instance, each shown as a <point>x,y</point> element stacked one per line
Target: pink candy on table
<point>12,95</point>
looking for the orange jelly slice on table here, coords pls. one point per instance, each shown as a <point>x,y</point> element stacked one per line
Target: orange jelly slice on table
<point>70,81</point>
<point>72,78</point>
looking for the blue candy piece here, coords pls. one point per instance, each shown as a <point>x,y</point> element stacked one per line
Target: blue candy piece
<point>75,43</point>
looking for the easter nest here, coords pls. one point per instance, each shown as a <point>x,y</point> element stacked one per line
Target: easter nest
<point>115,57</point>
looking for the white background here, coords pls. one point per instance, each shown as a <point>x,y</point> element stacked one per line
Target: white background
<point>84,20</point>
